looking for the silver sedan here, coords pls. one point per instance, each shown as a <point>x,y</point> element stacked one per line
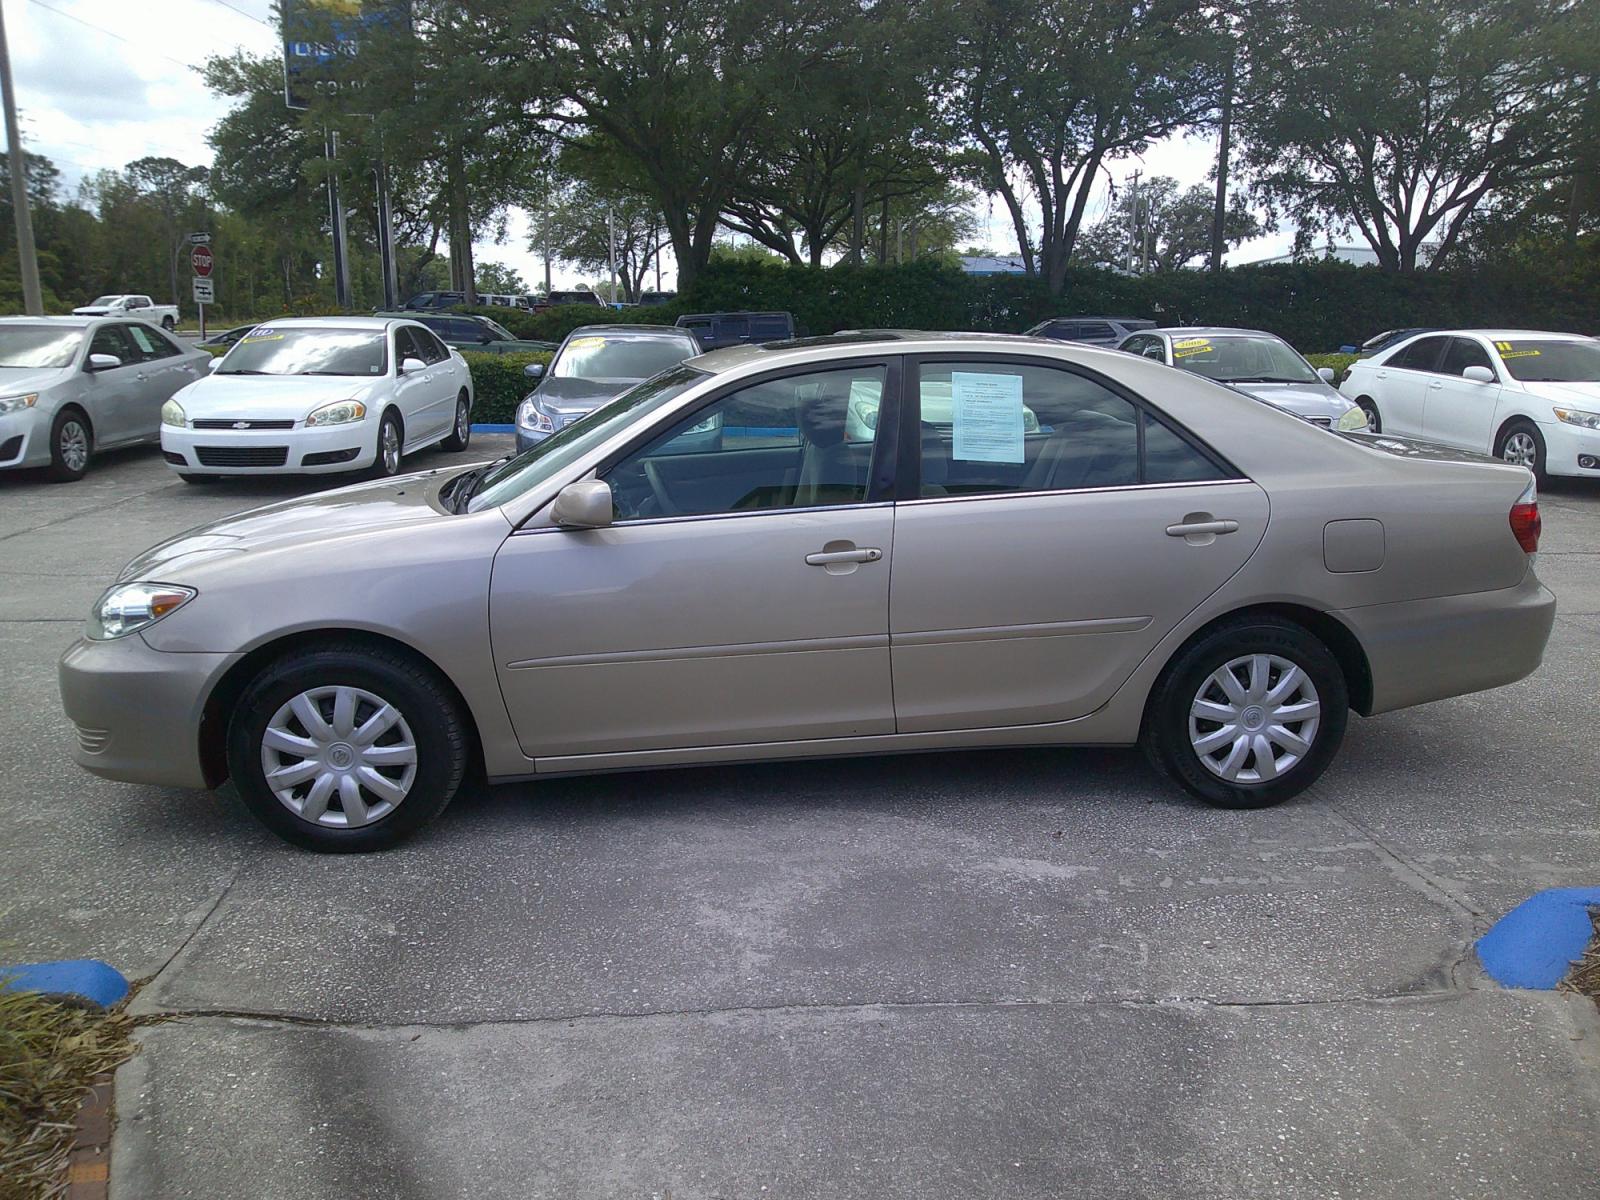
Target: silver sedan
<point>70,386</point>
<point>699,572</point>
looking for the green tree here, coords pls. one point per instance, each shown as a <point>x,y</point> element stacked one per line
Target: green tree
<point>1161,228</point>
<point>1402,120</point>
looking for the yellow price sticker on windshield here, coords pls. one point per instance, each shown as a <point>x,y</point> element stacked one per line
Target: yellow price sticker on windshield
<point>1187,342</point>
<point>585,343</point>
<point>1191,351</point>
<point>1519,354</point>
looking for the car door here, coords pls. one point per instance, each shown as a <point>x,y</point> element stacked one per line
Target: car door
<point>1401,385</point>
<point>1460,411</point>
<point>415,393</point>
<point>740,597</point>
<point>1035,570</point>
<point>114,397</point>
<point>445,377</point>
<point>165,369</point>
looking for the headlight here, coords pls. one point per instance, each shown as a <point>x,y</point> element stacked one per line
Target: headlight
<point>866,413</point>
<point>533,418</point>
<point>1353,421</point>
<point>341,412</point>
<point>10,404</point>
<point>1568,416</point>
<point>172,414</point>
<point>130,607</point>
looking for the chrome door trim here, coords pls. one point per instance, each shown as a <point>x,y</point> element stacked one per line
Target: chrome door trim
<point>991,633</point>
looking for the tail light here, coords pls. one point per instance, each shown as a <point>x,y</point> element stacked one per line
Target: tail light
<point>1525,523</point>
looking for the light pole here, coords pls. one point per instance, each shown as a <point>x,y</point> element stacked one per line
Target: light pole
<point>27,258</point>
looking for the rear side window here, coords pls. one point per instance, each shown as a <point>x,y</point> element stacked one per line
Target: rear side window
<point>1169,458</point>
<point>152,344</point>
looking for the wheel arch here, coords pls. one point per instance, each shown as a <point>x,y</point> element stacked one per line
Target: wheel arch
<point>72,406</point>
<point>1333,633</point>
<point>225,694</point>
<point>1512,420</point>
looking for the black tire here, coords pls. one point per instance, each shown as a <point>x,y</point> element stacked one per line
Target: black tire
<point>168,324</point>
<point>1166,736</point>
<point>382,467</point>
<point>71,446</point>
<point>191,477</point>
<point>1517,435</point>
<point>429,713</point>
<point>461,431</point>
<point>1374,422</point>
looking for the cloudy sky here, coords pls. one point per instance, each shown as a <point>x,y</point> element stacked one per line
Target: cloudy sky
<point>102,82</point>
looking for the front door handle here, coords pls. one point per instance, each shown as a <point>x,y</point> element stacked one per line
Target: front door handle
<point>823,558</point>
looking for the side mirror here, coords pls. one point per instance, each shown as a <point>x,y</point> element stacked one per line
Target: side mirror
<point>216,361</point>
<point>534,370</point>
<point>103,362</point>
<point>412,365</point>
<point>1325,374</point>
<point>586,504</point>
<point>1478,374</point>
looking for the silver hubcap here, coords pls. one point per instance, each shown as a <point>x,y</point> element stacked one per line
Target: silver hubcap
<point>74,445</point>
<point>390,448</point>
<point>462,424</point>
<point>339,756</point>
<point>1254,718</point>
<point>1521,449</point>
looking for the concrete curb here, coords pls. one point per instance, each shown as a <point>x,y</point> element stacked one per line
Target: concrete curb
<point>1536,943</point>
<point>87,978</point>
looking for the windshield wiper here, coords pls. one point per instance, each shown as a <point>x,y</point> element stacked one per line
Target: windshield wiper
<point>1264,379</point>
<point>465,485</point>
<point>322,372</point>
<point>243,371</point>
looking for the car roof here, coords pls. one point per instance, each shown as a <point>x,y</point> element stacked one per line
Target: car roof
<point>1209,331</point>
<point>68,321</point>
<point>373,322</point>
<point>666,331</point>
<point>1511,334</point>
<point>892,341</point>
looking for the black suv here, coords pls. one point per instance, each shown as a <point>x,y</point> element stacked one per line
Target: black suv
<point>715,330</point>
<point>423,301</point>
<point>1091,331</point>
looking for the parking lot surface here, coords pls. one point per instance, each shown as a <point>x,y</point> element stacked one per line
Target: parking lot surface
<point>1007,974</point>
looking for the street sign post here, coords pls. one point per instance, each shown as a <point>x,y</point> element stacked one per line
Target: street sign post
<point>205,290</point>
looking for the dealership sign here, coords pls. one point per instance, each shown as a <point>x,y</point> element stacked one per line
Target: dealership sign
<point>322,42</point>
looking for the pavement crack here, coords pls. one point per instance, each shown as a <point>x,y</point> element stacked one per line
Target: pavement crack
<point>211,911</point>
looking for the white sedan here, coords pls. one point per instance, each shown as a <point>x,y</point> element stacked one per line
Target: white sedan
<point>1529,397</point>
<point>320,395</point>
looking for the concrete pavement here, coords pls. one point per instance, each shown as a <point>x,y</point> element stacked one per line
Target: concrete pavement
<point>1003,974</point>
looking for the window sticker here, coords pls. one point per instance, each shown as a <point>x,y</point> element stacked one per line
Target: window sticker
<point>988,417</point>
<point>1188,347</point>
<point>262,333</point>
<point>1509,350</point>
<point>585,343</point>
<point>1184,343</point>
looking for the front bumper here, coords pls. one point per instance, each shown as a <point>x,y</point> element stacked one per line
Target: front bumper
<point>137,711</point>
<point>1422,650</point>
<point>253,451</point>
<point>1565,445</point>
<point>25,438</point>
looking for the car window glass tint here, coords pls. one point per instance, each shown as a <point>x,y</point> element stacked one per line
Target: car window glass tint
<point>1096,329</point>
<point>1002,427</point>
<point>793,442</point>
<point>1464,353</point>
<point>433,350</point>
<point>1169,458</point>
<point>1421,355</point>
<point>109,339</point>
<point>151,345</point>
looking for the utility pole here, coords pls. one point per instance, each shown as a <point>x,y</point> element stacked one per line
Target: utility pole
<point>27,257</point>
<point>386,259</point>
<point>1133,221</point>
<point>341,263</point>
<point>611,246</point>
<point>1220,212</point>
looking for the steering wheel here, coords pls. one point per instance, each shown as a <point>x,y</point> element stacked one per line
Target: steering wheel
<point>658,489</point>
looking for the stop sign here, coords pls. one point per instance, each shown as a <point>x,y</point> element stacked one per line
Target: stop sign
<point>200,260</point>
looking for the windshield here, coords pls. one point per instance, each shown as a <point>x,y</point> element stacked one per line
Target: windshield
<point>38,346</point>
<point>498,330</point>
<point>536,464</point>
<point>1551,361</point>
<point>283,350</point>
<point>1234,359</point>
<point>597,356</point>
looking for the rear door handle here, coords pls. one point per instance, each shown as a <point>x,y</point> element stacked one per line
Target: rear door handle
<point>1200,528</point>
<point>1435,384</point>
<point>864,555</point>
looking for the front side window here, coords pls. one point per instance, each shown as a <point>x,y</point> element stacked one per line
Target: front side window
<point>113,340</point>
<point>1549,361</point>
<point>795,442</point>
<point>290,350</point>
<point>995,427</point>
<point>1464,353</point>
<point>42,347</point>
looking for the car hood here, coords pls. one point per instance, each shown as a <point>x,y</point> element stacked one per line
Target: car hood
<point>1302,399</point>
<point>15,381</point>
<point>346,512</point>
<point>575,396</point>
<point>275,396</point>
<point>1585,394</point>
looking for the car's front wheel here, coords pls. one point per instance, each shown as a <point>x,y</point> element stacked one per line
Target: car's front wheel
<point>1248,715</point>
<point>390,447</point>
<point>1374,421</point>
<point>346,748</point>
<point>1520,443</point>
<point>71,443</point>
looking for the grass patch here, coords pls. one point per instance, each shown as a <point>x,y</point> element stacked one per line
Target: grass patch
<point>1585,974</point>
<point>49,1052</point>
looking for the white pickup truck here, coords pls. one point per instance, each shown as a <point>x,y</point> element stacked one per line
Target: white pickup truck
<point>164,315</point>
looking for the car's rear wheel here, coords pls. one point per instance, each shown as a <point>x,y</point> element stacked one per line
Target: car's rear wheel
<point>1248,715</point>
<point>1374,421</point>
<point>461,431</point>
<point>71,443</point>
<point>1520,443</point>
<point>168,324</point>
<point>346,749</point>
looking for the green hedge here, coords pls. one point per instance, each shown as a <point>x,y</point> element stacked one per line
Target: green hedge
<point>1339,362</point>
<point>1317,307</point>
<point>498,384</point>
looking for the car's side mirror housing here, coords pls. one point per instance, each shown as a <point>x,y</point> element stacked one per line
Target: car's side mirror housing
<point>586,504</point>
<point>411,366</point>
<point>534,370</point>
<point>1326,374</point>
<point>103,362</point>
<point>1478,374</point>
<point>216,361</point>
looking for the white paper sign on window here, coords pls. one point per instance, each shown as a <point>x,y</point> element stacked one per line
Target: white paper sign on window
<point>987,417</point>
